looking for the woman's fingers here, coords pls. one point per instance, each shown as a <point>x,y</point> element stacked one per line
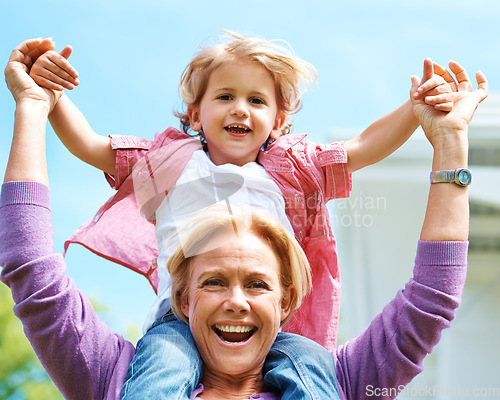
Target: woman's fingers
<point>461,76</point>
<point>445,74</point>
<point>482,86</point>
<point>28,51</point>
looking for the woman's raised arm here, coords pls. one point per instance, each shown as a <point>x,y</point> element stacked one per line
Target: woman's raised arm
<point>447,215</point>
<point>27,159</point>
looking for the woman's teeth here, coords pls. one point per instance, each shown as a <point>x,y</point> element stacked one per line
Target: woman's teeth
<point>235,333</point>
<point>235,328</point>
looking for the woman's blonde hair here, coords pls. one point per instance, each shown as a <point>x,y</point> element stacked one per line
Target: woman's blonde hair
<point>204,230</point>
<point>291,74</point>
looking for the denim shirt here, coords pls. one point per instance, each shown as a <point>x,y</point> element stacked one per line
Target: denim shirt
<point>308,175</point>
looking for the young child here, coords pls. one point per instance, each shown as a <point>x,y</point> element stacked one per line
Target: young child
<point>239,96</point>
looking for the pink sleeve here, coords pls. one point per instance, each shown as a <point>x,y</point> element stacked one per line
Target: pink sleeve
<point>129,149</point>
<point>332,158</point>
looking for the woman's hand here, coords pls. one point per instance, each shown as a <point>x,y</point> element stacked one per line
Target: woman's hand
<point>21,85</point>
<point>443,128</point>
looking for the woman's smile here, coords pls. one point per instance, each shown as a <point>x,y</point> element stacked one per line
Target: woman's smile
<point>235,333</point>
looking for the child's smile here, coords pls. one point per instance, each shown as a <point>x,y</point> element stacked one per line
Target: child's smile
<point>238,112</point>
<point>238,129</point>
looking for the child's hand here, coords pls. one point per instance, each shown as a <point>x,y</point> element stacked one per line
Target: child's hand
<point>53,71</point>
<point>437,87</point>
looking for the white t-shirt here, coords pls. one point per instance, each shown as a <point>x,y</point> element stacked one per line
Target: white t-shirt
<point>203,184</point>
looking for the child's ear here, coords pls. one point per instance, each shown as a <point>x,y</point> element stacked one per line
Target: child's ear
<point>194,118</point>
<point>280,120</point>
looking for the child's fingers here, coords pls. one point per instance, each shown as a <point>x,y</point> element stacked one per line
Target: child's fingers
<point>62,61</point>
<point>48,84</point>
<point>433,86</point>
<point>443,98</point>
<point>49,72</point>
<point>52,67</point>
<point>446,107</point>
<point>430,84</point>
<point>64,65</point>
<point>66,52</point>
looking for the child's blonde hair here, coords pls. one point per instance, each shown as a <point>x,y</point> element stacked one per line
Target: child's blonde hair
<point>291,74</point>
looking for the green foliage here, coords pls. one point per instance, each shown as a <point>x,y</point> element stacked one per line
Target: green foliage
<point>21,375</point>
<point>133,334</point>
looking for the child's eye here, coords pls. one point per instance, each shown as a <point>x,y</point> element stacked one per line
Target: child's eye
<point>256,100</point>
<point>224,97</point>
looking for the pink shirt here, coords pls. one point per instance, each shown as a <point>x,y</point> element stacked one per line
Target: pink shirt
<point>307,174</point>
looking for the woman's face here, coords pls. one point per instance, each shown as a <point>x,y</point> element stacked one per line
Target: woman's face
<point>234,305</point>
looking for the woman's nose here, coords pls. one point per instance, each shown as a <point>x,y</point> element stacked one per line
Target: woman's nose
<point>237,301</point>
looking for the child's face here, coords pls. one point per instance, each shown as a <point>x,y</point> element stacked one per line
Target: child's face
<point>238,112</point>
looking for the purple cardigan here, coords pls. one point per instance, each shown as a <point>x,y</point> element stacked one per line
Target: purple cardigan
<point>88,361</point>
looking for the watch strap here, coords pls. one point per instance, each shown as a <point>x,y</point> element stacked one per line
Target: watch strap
<point>443,176</point>
<point>454,176</point>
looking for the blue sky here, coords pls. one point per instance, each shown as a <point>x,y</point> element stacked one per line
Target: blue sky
<point>130,56</point>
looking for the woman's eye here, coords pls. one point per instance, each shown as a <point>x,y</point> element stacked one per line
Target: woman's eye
<point>259,285</point>
<point>212,282</point>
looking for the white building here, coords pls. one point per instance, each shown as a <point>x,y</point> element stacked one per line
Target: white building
<point>377,231</point>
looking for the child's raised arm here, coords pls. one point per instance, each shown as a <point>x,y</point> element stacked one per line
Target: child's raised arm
<point>388,133</point>
<point>52,70</point>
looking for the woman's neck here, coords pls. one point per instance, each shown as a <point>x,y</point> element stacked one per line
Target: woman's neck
<point>223,386</point>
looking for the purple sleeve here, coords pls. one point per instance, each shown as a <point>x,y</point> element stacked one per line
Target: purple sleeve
<point>83,358</point>
<point>390,353</point>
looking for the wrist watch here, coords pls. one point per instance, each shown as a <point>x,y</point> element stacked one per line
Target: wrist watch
<point>460,176</point>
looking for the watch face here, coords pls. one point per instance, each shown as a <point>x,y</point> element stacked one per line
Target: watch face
<point>464,177</point>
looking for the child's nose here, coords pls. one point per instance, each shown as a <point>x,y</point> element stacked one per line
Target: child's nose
<point>240,109</point>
